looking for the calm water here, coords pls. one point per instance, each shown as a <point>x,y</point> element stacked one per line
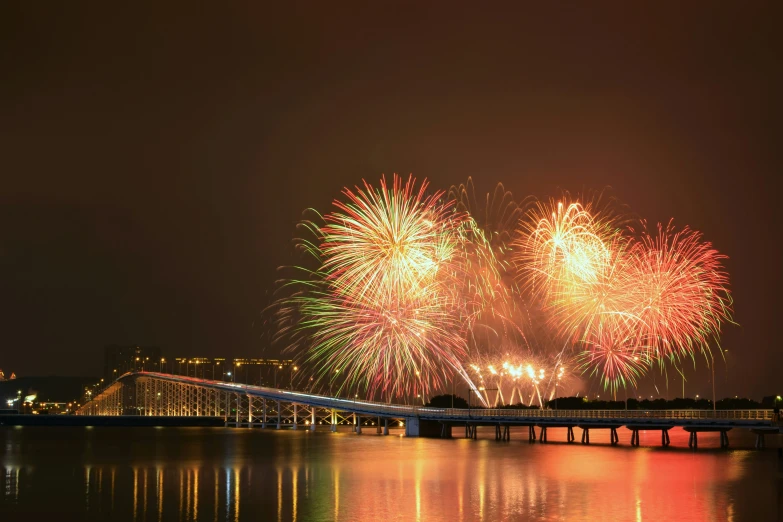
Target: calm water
<point>219,474</point>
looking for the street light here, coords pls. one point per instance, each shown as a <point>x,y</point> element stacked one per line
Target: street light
<point>291,380</point>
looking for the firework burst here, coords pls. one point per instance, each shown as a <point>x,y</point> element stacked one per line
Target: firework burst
<point>520,379</point>
<point>625,301</point>
<point>679,292</point>
<point>382,311</point>
<point>409,286</point>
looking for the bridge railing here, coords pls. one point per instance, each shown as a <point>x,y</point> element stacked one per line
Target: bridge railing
<point>766,415</point>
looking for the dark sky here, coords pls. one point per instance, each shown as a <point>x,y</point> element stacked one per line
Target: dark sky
<point>154,162</point>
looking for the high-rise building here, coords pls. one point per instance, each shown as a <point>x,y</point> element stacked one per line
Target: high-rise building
<point>120,359</point>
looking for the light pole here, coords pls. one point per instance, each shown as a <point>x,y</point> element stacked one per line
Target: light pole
<point>477,392</point>
<point>714,405</point>
<point>470,390</point>
<point>291,380</point>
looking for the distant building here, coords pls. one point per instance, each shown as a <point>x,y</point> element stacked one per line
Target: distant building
<point>119,359</point>
<point>265,372</point>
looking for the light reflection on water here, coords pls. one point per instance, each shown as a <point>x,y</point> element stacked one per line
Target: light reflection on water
<point>217,474</point>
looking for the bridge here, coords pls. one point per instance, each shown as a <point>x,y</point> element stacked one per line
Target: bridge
<point>242,405</point>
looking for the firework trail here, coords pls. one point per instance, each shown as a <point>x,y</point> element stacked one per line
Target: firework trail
<point>493,302</point>
<point>520,379</point>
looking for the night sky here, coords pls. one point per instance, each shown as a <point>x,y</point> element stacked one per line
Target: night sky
<point>154,162</point>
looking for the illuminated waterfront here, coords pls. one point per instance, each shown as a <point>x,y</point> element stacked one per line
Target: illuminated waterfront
<point>241,474</point>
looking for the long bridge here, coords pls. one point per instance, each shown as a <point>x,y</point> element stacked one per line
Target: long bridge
<point>242,405</point>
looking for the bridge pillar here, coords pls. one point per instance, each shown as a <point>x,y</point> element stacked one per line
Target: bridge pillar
<point>613,436</point>
<point>296,411</point>
<point>693,441</point>
<point>278,415</point>
<point>249,411</point>
<point>542,435</point>
<point>507,432</point>
<point>585,436</point>
<point>358,423</point>
<point>531,434</point>
<point>445,430</point>
<point>263,413</point>
<point>386,426</point>
<point>417,427</point>
<point>378,425</point>
<point>312,418</point>
<point>570,435</point>
<point>760,433</point>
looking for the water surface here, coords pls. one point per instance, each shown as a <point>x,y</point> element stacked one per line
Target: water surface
<point>224,474</point>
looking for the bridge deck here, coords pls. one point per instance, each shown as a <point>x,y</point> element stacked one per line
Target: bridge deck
<point>655,419</point>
